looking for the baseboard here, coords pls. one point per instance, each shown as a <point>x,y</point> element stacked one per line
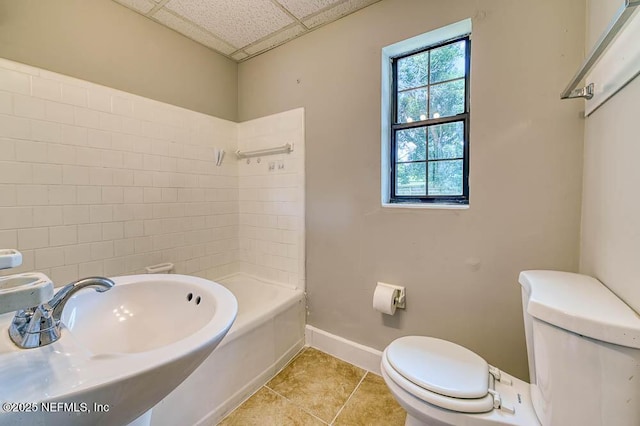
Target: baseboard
<point>346,350</point>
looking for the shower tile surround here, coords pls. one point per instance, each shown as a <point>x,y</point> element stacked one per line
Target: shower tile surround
<point>96,181</point>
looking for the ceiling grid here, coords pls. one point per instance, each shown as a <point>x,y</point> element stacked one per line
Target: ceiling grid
<point>241,29</point>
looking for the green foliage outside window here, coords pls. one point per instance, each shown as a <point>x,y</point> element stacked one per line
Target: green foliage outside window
<point>430,158</point>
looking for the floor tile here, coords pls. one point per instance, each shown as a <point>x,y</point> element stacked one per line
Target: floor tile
<point>370,405</point>
<point>266,408</point>
<point>317,382</point>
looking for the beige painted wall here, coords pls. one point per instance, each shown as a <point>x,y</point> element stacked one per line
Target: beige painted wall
<point>460,267</point>
<point>106,43</point>
<point>610,246</point>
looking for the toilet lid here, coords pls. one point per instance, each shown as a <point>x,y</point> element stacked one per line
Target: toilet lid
<point>440,366</point>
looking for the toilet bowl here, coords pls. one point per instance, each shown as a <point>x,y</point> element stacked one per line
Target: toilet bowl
<point>583,348</point>
<point>440,383</point>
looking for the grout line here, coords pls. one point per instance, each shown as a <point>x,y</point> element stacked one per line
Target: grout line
<point>296,405</point>
<point>350,396</point>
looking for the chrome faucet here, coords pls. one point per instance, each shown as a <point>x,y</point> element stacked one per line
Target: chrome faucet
<point>40,325</point>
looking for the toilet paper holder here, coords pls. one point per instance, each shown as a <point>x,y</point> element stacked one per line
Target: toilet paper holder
<point>400,294</point>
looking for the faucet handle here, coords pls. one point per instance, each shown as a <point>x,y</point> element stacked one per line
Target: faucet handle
<point>40,325</point>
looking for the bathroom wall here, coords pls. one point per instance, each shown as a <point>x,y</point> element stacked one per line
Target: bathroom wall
<point>271,192</point>
<point>106,43</point>
<point>460,267</point>
<point>95,181</point>
<point>610,246</point>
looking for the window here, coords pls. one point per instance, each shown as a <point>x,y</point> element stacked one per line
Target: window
<point>428,131</point>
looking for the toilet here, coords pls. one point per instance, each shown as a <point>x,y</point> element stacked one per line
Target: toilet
<point>583,347</point>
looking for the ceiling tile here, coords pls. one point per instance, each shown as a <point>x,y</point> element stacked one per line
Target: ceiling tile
<point>239,22</point>
<point>142,6</point>
<point>302,8</point>
<point>275,39</point>
<point>337,12</point>
<point>192,31</point>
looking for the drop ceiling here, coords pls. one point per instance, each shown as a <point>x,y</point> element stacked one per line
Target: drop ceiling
<point>240,29</point>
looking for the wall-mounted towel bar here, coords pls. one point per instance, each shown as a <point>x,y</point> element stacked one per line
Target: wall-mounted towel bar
<point>621,17</point>
<point>284,149</point>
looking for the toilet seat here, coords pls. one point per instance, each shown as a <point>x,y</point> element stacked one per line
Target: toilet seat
<point>441,373</point>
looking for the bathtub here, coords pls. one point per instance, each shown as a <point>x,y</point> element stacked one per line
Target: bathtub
<point>267,333</point>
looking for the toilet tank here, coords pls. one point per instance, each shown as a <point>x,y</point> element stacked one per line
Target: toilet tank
<point>583,344</point>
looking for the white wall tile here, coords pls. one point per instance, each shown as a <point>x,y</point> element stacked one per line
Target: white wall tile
<point>61,154</point>
<point>7,149</point>
<point>8,195</point>
<point>32,195</point>
<point>48,258</point>
<point>6,103</point>
<point>15,82</point>
<point>87,118</point>
<point>90,232</point>
<point>75,175</point>
<point>32,238</point>
<point>89,194</point>
<point>63,235</point>
<point>14,127</point>
<point>46,89</point>
<point>46,173</point>
<point>112,182</point>
<point>16,217</point>
<point>29,151</point>
<point>9,239</point>
<point>113,231</point>
<point>62,113</point>
<point>101,176</point>
<point>74,135</point>
<point>99,99</point>
<point>47,216</point>
<point>91,269</point>
<point>102,250</point>
<point>101,213</point>
<point>27,106</point>
<point>74,95</point>
<point>62,194</point>
<point>63,275</point>
<point>46,131</point>
<point>98,138</point>
<point>75,214</point>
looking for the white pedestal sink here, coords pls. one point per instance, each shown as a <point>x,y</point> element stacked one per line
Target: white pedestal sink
<point>120,353</point>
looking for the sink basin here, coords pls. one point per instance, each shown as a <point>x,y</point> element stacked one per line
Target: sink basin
<point>120,353</point>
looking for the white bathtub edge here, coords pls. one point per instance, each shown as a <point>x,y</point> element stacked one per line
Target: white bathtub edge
<point>250,388</point>
<point>354,353</point>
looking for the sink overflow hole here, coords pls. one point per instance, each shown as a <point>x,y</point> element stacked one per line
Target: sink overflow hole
<point>189,297</point>
<point>198,300</point>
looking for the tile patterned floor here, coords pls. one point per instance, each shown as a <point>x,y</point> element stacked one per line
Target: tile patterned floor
<point>318,389</point>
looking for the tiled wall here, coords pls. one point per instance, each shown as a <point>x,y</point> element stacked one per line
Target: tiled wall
<point>272,238</point>
<point>94,181</point>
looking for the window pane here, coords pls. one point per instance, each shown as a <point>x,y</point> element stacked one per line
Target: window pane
<point>411,144</point>
<point>445,177</point>
<point>447,99</point>
<point>411,179</point>
<point>446,141</point>
<point>412,105</point>
<point>448,62</point>
<point>412,71</point>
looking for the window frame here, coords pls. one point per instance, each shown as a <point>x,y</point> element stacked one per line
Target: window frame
<point>462,117</point>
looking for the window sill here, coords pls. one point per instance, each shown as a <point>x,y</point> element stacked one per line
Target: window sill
<point>429,206</point>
